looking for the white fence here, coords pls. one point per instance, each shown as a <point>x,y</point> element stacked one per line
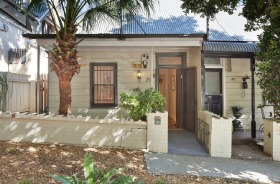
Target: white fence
<point>21,94</point>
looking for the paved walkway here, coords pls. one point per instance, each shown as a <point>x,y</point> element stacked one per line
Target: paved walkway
<point>184,142</point>
<point>258,171</point>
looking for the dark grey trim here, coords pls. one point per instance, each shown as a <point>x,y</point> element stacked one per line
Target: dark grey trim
<point>202,83</point>
<point>115,86</point>
<point>253,105</point>
<point>169,54</point>
<point>220,70</point>
<point>117,36</point>
<point>228,54</point>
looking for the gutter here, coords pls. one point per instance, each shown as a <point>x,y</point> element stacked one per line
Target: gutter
<point>118,36</point>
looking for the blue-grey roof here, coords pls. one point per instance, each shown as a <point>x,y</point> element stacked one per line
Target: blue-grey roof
<point>173,25</point>
<point>169,18</point>
<point>230,47</point>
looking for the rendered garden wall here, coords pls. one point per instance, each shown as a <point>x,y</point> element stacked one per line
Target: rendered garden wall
<point>73,130</point>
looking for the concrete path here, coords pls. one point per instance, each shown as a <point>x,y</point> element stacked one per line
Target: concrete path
<point>258,171</point>
<point>184,142</point>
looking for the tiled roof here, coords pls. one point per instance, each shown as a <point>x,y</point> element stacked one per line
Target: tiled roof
<point>169,18</point>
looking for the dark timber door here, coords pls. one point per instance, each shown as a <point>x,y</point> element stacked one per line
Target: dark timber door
<point>213,91</point>
<point>186,98</point>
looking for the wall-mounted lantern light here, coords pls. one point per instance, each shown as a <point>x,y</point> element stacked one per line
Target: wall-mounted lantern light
<point>139,75</point>
<point>245,84</point>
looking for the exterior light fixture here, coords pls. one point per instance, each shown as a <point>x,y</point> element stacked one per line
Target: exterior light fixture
<point>139,75</point>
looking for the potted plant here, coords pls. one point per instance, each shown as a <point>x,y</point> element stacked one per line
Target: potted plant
<point>140,103</point>
<point>237,111</point>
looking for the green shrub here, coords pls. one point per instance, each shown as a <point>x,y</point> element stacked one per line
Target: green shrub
<point>268,73</point>
<point>140,103</point>
<point>93,175</point>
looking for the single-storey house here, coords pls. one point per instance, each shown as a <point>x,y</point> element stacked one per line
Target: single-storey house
<point>194,71</point>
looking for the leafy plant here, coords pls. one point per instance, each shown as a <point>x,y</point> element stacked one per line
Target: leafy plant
<point>237,111</point>
<point>3,89</point>
<point>140,103</point>
<point>25,181</point>
<point>269,78</point>
<point>93,175</point>
<point>161,182</point>
<point>236,108</point>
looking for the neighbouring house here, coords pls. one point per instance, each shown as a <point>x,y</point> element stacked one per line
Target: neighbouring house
<point>19,55</point>
<point>194,71</point>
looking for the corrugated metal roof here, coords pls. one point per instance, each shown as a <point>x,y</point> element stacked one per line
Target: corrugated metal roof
<point>169,18</point>
<point>230,47</point>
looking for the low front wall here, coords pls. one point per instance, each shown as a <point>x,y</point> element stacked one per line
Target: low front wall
<point>157,132</point>
<point>272,138</point>
<point>73,130</point>
<point>215,133</point>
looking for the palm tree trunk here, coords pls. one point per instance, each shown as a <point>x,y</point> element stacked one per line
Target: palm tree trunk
<point>65,95</point>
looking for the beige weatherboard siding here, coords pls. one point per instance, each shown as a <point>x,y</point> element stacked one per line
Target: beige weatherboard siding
<point>126,79</point>
<point>124,56</point>
<point>235,70</point>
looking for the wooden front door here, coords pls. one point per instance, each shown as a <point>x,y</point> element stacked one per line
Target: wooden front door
<point>213,91</point>
<point>186,98</point>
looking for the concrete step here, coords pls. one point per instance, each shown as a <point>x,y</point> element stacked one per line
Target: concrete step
<point>259,143</point>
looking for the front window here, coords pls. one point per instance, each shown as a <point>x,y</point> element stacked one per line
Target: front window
<point>103,84</point>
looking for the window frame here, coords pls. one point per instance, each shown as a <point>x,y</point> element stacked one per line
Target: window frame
<point>100,106</point>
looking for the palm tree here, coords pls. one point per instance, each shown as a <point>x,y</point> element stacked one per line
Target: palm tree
<point>66,16</point>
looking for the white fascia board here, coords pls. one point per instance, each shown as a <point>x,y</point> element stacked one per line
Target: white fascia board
<point>129,42</point>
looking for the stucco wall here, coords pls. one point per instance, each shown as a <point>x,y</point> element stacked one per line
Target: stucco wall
<point>73,130</point>
<point>210,131</point>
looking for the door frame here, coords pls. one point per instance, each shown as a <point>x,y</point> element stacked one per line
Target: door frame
<point>221,76</point>
<point>183,55</point>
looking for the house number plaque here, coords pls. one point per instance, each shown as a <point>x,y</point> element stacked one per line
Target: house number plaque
<point>157,120</point>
